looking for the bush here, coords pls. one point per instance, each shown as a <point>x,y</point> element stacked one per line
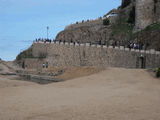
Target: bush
<point>25,54</point>
<point>106,21</point>
<point>157,72</point>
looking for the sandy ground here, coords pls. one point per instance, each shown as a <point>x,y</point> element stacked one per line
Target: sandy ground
<point>113,94</point>
<point>9,80</point>
<point>76,72</point>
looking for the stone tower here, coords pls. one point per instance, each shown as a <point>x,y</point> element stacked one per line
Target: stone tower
<point>125,3</point>
<point>157,11</point>
<point>144,13</point>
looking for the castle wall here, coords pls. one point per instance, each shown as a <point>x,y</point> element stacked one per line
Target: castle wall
<point>144,13</point>
<point>63,55</point>
<point>157,11</point>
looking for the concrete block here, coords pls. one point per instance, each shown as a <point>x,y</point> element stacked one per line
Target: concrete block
<point>98,46</point>
<point>88,44</point>
<point>71,43</point>
<point>121,47</point>
<point>152,51</point>
<point>110,47</point>
<point>81,44</point>
<point>132,50</point>
<point>142,51</point>
<point>76,44</point>
<point>93,45</point>
<point>66,43</point>
<point>57,42</point>
<point>61,43</point>
<point>157,52</point>
<point>116,48</point>
<point>137,51</point>
<point>147,51</point>
<point>126,49</point>
<point>104,46</point>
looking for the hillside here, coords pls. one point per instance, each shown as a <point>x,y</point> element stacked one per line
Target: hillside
<point>125,27</point>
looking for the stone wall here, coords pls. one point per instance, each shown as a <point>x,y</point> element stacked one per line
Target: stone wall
<point>157,10</point>
<point>69,54</point>
<point>144,13</point>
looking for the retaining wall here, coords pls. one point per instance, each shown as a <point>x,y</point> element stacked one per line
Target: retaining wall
<point>69,54</point>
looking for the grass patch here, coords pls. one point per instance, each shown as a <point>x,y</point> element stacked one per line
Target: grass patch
<point>25,54</point>
<point>123,28</point>
<point>149,28</point>
<point>28,54</point>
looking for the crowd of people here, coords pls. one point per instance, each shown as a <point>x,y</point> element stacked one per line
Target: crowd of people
<point>131,45</point>
<point>44,40</point>
<point>136,46</point>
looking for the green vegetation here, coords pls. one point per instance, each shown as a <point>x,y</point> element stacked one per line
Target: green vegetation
<point>28,54</point>
<point>155,7</point>
<point>154,26</point>
<point>157,72</point>
<point>127,29</point>
<point>149,28</point>
<point>106,21</point>
<point>25,54</point>
<point>122,28</point>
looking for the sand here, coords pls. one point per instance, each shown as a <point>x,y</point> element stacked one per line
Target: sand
<point>112,94</point>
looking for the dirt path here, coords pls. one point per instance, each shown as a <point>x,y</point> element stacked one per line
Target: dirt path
<point>114,94</point>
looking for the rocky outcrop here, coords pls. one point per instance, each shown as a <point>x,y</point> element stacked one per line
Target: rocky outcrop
<point>82,34</point>
<point>95,32</point>
<point>132,16</point>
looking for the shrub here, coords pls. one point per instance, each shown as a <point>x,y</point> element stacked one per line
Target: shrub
<point>106,21</point>
<point>25,54</point>
<point>157,72</point>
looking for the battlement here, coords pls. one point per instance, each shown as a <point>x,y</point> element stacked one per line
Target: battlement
<point>151,51</point>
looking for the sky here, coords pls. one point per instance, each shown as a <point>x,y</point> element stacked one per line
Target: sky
<point>22,21</point>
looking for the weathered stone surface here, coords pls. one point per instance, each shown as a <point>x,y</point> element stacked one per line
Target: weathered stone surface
<point>144,13</point>
<point>71,55</point>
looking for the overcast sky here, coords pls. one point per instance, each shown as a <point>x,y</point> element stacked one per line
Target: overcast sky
<point>21,21</point>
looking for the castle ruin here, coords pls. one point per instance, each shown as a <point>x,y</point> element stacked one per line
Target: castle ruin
<point>147,12</point>
<point>144,13</point>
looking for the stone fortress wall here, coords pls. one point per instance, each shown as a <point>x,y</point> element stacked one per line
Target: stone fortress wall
<point>147,13</point>
<point>157,9</point>
<point>144,13</point>
<point>69,54</point>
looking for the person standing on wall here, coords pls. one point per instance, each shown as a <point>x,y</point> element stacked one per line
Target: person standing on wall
<point>43,65</point>
<point>46,64</point>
